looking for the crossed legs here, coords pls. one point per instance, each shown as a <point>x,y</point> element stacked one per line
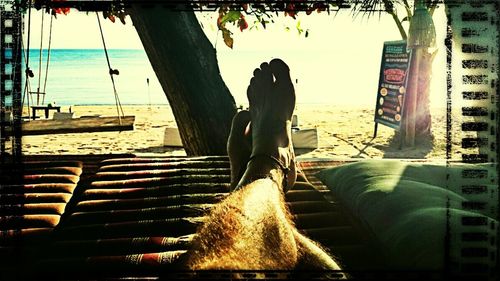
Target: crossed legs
<point>251,229</point>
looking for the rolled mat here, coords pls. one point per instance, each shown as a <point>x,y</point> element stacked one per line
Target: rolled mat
<point>34,208</point>
<point>170,159</point>
<point>120,246</point>
<point>10,235</point>
<point>149,202</point>
<point>184,179</point>
<point>159,173</point>
<point>77,171</point>
<point>131,229</point>
<point>50,178</point>
<point>82,218</point>
<point>27,198</point>
<point>50,164</point>
<point>119,265</point>
<point>163,165</point>
<point>165,190</point>
<point>38,188</point>
<point>28,221</point>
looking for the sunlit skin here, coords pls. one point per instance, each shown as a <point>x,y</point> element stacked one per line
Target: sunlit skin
<point>252,229</point>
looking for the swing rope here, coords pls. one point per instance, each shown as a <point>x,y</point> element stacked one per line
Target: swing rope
<point>48,57</point>
<point>111,73</point>
<point>27,59</point>
<point>40,63</point>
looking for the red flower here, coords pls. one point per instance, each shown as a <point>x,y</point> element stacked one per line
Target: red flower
<point>63,10</point>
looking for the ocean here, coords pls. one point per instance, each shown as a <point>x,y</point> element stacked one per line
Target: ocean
<point>80,77</point>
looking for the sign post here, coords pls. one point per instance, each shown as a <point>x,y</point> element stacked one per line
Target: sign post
<point>392,86</point>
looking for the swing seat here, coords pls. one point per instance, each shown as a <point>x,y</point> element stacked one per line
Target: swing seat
<point>78,125</point>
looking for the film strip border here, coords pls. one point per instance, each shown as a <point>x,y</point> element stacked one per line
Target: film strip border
<point>473,39</point>
<point>10,83</point>
<point>472,233</point>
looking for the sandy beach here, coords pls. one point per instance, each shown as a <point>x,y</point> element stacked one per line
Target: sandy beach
<point>343,133</point>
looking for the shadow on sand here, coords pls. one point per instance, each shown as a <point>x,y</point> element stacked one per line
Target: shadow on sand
<point>423,146</point>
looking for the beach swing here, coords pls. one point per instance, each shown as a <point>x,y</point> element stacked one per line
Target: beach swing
<point>37,98</point>
<point>84,124</point>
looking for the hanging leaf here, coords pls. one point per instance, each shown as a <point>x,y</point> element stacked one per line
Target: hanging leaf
<point>231,16</point>
<point>219,20</point>
<point>111,18</point>
<point>226,34</point>
<point>307,33</point>
<point>405,19</point>
<point>122,15</point>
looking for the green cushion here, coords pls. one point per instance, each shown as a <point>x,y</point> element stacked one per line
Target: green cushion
<point>404,205</point>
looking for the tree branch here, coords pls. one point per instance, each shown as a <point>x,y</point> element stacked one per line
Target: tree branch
<point>432,7</point>
<point>409,13</point>
<point>389,9</point>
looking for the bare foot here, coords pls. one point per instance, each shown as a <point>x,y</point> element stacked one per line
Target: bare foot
<point>272,101</point>
<point>239,146</point>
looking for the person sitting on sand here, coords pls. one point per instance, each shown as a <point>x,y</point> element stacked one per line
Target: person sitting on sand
<point>251,229</point>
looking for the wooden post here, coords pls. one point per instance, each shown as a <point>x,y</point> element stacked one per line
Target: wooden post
<point>411,98</point>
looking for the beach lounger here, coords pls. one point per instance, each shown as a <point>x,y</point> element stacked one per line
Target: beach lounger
<point>31,206</point>
<point>137,216</point>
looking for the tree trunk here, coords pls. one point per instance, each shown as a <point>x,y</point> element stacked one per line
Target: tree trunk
<point>423,114</point>
<point>186,65</point>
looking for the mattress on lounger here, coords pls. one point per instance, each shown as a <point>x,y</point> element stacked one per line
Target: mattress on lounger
<point>405,205</point>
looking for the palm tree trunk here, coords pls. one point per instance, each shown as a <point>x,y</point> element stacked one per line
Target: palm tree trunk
<point>186,65</point>
<point>423,114</point>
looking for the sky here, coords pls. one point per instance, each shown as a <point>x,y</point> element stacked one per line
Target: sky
<point>338,62</point>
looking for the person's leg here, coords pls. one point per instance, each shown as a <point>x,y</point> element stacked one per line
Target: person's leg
<point>251,229</point>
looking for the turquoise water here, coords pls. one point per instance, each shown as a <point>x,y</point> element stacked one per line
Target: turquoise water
<point>80,76</point>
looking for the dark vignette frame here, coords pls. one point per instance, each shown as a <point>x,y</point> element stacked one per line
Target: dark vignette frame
<point>14,157</point>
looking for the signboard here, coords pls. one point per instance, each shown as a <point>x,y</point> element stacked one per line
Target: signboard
<point>392,84</point>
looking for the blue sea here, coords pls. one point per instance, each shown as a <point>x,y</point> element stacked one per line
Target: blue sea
<point>80,77</point>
